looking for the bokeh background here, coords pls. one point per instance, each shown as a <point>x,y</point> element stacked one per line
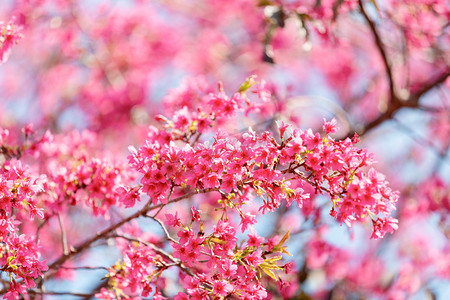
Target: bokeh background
<point>105,69</point>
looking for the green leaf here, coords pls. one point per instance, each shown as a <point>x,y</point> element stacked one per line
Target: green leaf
<point>10,259</point>
<point>248,83</point>
<point>272,260</point>
<point>269,272</point>
<point>217,240</point>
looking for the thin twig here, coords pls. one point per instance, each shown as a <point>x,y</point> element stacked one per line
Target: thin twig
<point>41,292</point>
<point>83,268</point>
<point>395,103</point>
<point>104,233</point>
<point>39,228</point>
<point>382,52</point>
<point>166,232</point>
<point>63,235</point>
<point>412,102</point>
<point>168,199</point>
<point>158,250</point>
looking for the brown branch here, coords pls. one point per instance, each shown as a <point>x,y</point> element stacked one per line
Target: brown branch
<point>395,103</point>
<point>63,235</point>
<point>40,226</point>
<point>83,268</point>
<point>411,102</point>
<point>168,199</point>
<point>177,262</point>
<point>166,232</point>
<point>104,233</point>
<point>382,51</point>
<point>41,292</point>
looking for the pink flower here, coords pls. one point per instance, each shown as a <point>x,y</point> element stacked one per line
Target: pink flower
<point>173,220</point>
<point>195,214</point>
<point>254,259</point>
<point>185,235</point>
<point>247,219</point>
<point>222,288</point>
<point>228,267</point>
<point>330,127</point>
<point>15,289</point>
<point>263,92</point>
<point>10,34</point>
<point>254,239</point>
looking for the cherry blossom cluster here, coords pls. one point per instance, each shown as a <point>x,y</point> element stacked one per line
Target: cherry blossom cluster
<point>19,254</point>
<point>139,268</point>
<point>236,270</point>
<point>96,183</point>
<point>214,265</point>
<point>10,34</point>
<point>76,176</point>
<point>240,168</point>
<point>68,176</point>
<point>195,109</point>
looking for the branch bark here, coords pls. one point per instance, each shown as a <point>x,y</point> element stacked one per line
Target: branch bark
<point>106,232</point>
<point>382,51</point>
<point>395,104</point>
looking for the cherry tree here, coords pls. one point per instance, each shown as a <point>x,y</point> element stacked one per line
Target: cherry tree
<point>224,149</point>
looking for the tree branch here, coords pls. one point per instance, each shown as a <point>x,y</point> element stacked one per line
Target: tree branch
<point>158,250</point>
<point>411,102</point>
<point>41,292</point>
<point>63,235</point>
<point>83,268</point>
<point>104,233</point>
<point>395,103</point>
<point>166,232</point>
<point>382,51</point>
